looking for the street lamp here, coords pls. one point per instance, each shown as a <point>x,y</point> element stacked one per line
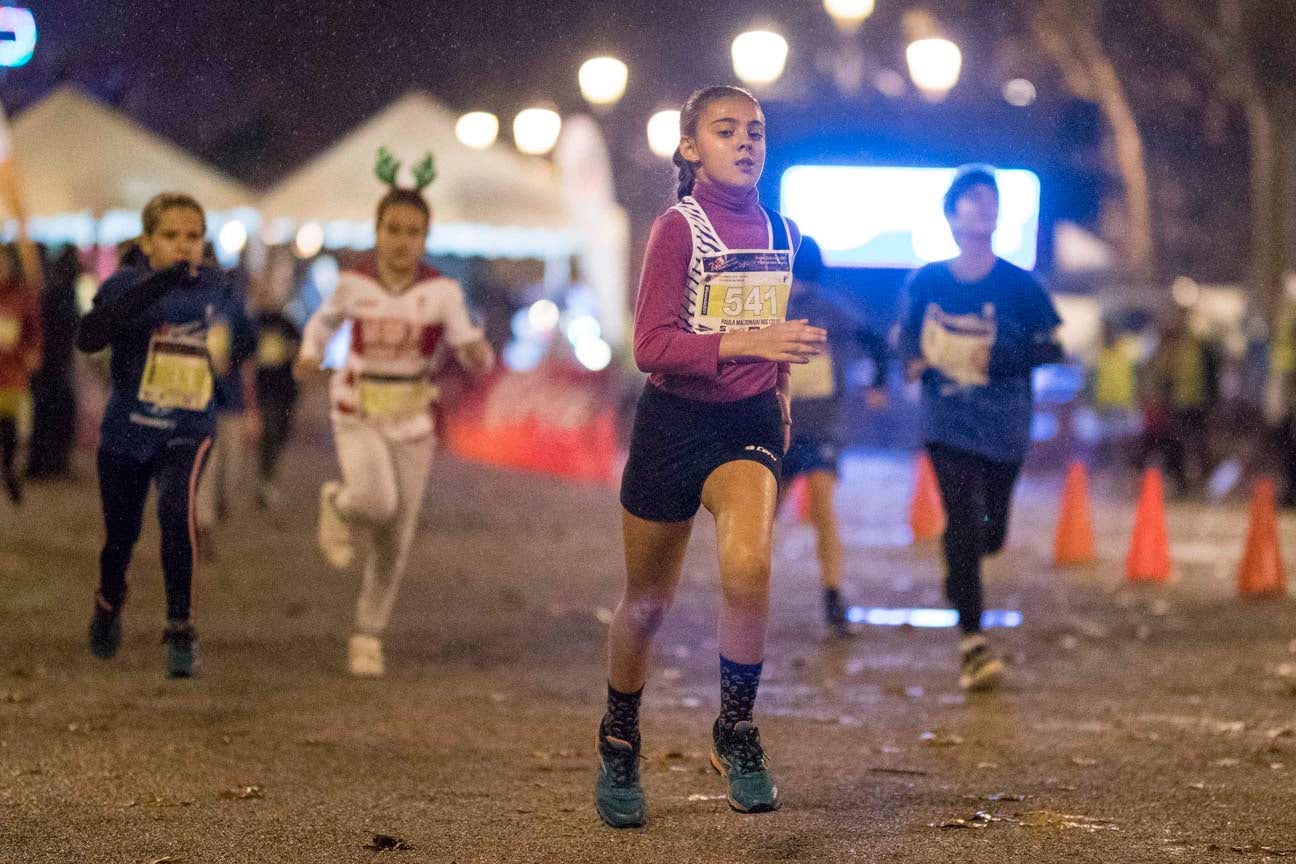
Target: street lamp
<point>664,133</point>
<point>848,15</point>
<point>759,56</point>
<point>603,80</point>
<point>934,66</point>
<point>535,130</point>
<point>233,237</point>
<point>477,129</point>
<point>309,240</point>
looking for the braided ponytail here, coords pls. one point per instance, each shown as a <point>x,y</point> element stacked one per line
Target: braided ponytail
<point>690,114</point>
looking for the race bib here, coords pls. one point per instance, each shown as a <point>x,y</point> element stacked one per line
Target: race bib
<point>959,345</point>
<point>813,380</point>
<point>744,291</point>
<point>394,399</point>
<point>177,373</point>
<point>10,332</point>
<point>273,349</point>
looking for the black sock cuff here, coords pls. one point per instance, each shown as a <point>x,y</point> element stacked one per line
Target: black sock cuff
<point>731,666</point>
<point>622,695</point>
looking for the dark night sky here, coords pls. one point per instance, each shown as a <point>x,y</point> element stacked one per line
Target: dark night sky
<point>258,89</point>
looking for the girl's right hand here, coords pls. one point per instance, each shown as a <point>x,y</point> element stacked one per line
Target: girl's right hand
<point>787,342</point>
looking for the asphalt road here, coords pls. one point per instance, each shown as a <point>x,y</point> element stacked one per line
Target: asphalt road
<point>1138,726</point>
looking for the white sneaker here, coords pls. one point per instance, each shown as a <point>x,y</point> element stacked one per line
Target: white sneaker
<point>365,656</point>
<point>334,535</point>
<point>979,668</point>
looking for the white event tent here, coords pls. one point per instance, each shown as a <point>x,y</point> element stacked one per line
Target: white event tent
<point>493,203</point>
<point>88,171</point>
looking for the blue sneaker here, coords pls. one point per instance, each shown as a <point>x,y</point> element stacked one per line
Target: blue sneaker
<point>618,797</point>
<point>105,629</point>
<point>181,644</point>
<point>736,753</point>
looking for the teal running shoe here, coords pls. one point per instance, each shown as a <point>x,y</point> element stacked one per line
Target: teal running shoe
<point>105,629</point>
<point>736,753</point>
<point>181,645</point>
<point>618,796</point>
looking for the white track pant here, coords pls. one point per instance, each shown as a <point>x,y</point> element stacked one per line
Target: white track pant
<point>383,482</point>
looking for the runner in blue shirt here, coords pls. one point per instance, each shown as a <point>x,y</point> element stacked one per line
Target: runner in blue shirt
<point>159,422</point>
<point>974,328</point>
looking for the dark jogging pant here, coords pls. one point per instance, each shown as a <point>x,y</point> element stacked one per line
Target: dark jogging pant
<point>123,490</point>
<point>977,493</point>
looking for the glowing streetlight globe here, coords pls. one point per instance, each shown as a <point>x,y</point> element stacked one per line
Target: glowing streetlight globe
<point>759,56</point>
<point>603,80</point>
<point>233,237</point>
<point>543,316</point>
<point>934,66</point>
<point>309,241</point>
<point>594,354</point>
<point>1019,93</point>
<point>848,15</point>
<point>664,133</point>
<point>535,130</point>
<point>477,129</point>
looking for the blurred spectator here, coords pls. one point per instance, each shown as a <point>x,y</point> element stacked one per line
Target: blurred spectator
<point>1114,394</point>
<point>1181,394</point>
<point>53,394</point>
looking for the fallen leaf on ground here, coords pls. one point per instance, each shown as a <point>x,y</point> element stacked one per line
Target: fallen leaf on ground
<point>1052,819</point>
<point>1005,796</point>
<point>387,843</point>
<point>1227,763</point>
<point>936,739</point>
<point>12,697</point>
<point>242,793</point>
<point>698,796</point>
<point>980,819</point>
<point>1256,849</point>
<point>166,859</point>
<point>1083,761</point>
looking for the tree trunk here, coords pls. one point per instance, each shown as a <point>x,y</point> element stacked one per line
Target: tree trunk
<point>1067,36</point>
<point>1265,267</point>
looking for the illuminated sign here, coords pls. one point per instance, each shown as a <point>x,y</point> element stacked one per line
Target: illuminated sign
<point>17,35</point>
<point>864,216</point>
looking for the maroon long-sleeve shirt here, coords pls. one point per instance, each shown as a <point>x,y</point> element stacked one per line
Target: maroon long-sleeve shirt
<point>676,359</point>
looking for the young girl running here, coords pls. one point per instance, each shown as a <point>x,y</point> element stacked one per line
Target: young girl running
<point>974,329</point>
<point>403,316</point>
<point>159,420</point>
<point>817,390</point>
<point>710,430</point>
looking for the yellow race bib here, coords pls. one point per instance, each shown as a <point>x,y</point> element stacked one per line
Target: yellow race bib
<point>273,349</point>
<point>10,332</point>
<point>395,398</point>
<point>177,373</point>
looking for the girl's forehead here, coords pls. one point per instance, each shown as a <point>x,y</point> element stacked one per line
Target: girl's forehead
<point>739,108</point>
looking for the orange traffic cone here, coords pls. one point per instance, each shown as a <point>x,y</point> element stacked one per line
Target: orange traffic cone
<point>1149,554</point>
<point>1074,543</point>
<point>926,513</point>
<point>1261,571</point>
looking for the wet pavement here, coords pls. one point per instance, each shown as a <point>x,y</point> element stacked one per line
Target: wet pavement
<point>1146,725</point>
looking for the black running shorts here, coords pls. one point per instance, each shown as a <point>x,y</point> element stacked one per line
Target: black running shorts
<point>678,442</point>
